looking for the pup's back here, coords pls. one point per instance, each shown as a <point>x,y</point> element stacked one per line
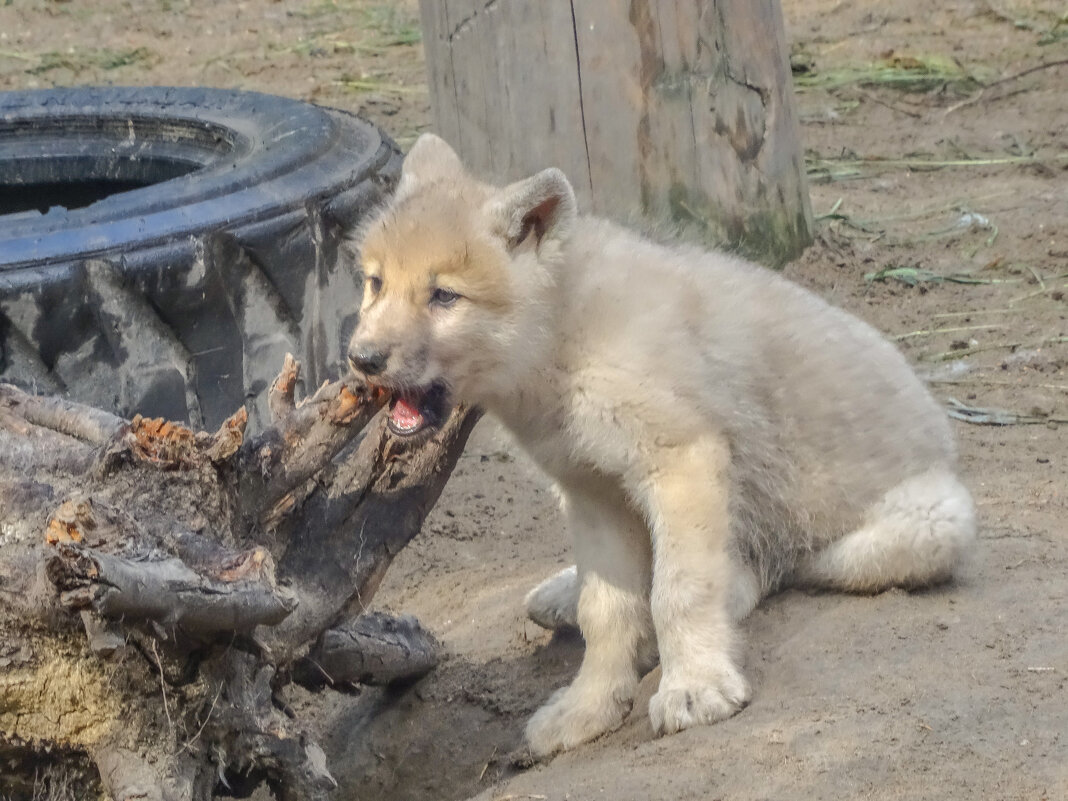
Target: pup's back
<point>824,414</point>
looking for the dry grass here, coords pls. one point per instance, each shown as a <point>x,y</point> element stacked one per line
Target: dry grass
<point>904,73</point>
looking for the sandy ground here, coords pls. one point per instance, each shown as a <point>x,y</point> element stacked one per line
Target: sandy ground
<point>960,692</point>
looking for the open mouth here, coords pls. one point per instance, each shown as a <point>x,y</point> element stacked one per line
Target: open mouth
<point>417,409</point>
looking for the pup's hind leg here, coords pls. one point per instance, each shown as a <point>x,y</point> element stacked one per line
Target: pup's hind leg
<point>553,604</point>
<point>915,536</point>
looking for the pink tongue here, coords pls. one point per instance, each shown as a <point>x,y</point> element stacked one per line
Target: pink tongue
<point>405,415</point>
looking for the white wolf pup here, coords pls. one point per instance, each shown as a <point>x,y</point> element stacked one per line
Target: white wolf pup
<point>716,432</point>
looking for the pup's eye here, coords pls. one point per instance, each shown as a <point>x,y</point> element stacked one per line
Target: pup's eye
<point>444,297</point>
<point>374,284</point>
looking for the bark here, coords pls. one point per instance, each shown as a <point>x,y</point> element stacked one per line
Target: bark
<point>373,649</point>
<point>159,587</point>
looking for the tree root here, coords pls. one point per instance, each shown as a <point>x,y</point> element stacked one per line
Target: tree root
<point>184,578</point>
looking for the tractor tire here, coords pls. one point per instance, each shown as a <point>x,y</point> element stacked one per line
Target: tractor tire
<point>161,249</point>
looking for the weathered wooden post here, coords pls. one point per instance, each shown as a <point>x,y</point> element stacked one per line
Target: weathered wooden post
<point>680,110</point>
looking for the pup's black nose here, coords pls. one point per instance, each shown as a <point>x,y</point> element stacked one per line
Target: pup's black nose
<point>367,359</point>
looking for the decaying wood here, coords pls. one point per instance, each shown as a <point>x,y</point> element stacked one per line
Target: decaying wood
<point>680,111</point>
<point>168,592</point>
<point>90,425</point>
<point>373,649</point>
<point>159,587</point>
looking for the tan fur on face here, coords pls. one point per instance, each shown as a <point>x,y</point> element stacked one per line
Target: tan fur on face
<point>429,241</point>
<point>447,230</point>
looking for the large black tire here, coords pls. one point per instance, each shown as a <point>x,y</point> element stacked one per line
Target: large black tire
<point>161,249</point>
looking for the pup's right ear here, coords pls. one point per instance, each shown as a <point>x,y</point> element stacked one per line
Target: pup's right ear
<point>430,160</point>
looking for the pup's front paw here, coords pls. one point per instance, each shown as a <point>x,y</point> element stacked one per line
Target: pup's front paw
<point>572,717</point>
<point>678,707</point>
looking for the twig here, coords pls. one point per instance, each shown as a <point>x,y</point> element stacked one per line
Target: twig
<point>928,164</point>
<point>978,415</point>
<point>993,382</point>
<point>833,213</point>
<point>891,106</point>
<point>162,686</point>
<point>1045,66</point>
<point>280,396</point>
<point>1044,287</point>
<point>374,86</point>
<point>912,276</point>
<point>975,311</point>
<point>979,95</point>
<point>945,356</point>
<point>928,211</point>
<point>952,330</point>
<point>196,736</point>
<point>953,354</point>
<point>489,762</point>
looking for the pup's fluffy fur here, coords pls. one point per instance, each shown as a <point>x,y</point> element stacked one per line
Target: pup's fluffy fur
<point>715,431</point>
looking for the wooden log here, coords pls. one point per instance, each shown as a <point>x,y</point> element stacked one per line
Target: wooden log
<point>681,111</point>
<point>142,626</point>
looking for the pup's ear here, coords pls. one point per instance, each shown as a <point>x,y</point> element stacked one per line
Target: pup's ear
<point>536,210</point>
<point>430,160</point>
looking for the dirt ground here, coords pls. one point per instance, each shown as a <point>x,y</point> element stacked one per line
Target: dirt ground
<point>938,162</point>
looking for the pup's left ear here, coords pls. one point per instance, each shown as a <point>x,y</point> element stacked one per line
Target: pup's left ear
<point>536,210</point>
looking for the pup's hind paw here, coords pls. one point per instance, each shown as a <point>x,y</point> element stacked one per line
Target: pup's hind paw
<point>572,717</point>
<point>553,604</point>
<point>673,709</point>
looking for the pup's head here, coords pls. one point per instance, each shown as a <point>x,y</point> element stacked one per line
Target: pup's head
<point>456,277</point>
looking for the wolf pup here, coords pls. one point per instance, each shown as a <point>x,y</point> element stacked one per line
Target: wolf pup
<point>715,431</point>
